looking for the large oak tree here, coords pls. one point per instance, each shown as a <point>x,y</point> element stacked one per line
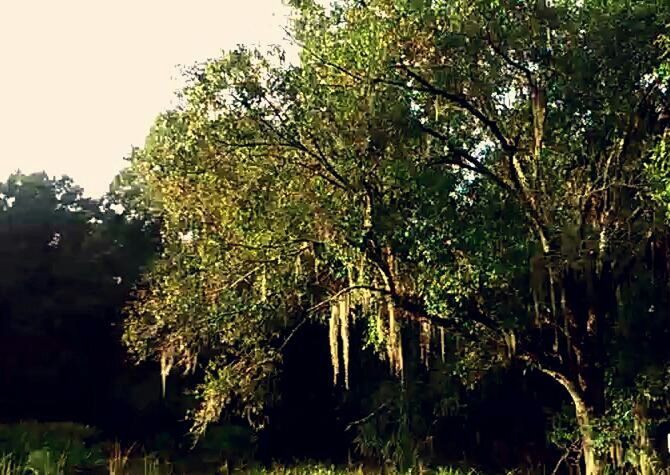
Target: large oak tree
<point>490,172</point>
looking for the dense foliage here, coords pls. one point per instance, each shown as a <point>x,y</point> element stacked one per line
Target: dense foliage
<point>489,178</point>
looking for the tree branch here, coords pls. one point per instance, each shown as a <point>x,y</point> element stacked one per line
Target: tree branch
<point>514,64</point>
<point>457,100</point>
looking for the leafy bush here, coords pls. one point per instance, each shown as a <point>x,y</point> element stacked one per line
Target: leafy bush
<point>229,442</point>
<point>49,447</point>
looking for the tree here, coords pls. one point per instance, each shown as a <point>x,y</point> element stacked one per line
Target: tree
<point>483,171</point>
<point>68,265</point>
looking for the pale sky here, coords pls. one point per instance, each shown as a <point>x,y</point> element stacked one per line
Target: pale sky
<point>82,80</point>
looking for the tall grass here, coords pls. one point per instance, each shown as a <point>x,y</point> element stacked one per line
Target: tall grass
<point>40,462</point>
<point>118,459</point>
<point>8,465</point>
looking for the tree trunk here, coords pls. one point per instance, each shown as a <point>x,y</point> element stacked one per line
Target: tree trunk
<point>590,308</point>
<point>594,463</point>
<point>644,447</point>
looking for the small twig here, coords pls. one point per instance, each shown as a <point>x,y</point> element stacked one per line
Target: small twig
<point>363,420</point>
<point>343,291</point>
<point>293,332</point>
<point>560,461</point>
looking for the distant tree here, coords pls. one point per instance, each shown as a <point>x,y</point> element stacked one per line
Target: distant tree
<point>67,267</point>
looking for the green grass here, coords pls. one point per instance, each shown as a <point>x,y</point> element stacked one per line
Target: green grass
<point>320,469</point>
<point>45,463</point>
<point>39,462</point>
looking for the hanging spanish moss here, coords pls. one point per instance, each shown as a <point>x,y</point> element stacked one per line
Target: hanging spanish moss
<point>510,343</point>
<point>393,342</point>
<point>442,344</point>
<point>344,311</point>
<point>334,333</point>
<point>536,308</point>
<point>379,322</point>
<point>390,344</point>
<point>552,295</point>
<point>425,333</point>
<point>167,361</point>
<point>399,360</point>
<point>554,314</point>
<point>386,331</point>
<point>564,312</point>
<point>366,300</point>
<point>361,268</point>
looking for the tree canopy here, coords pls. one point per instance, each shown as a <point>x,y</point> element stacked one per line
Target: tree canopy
<point>488,177</point>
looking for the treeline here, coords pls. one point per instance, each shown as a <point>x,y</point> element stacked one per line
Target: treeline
<point>68,264</point>
<point>442,236</point>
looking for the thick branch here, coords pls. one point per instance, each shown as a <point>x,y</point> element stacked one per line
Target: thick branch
<point>462,159</point>
<point>514,64</point>
<point>573,390</point>
<point>457,100</point>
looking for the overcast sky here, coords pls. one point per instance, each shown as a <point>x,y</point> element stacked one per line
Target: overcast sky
<point>82,80</point>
